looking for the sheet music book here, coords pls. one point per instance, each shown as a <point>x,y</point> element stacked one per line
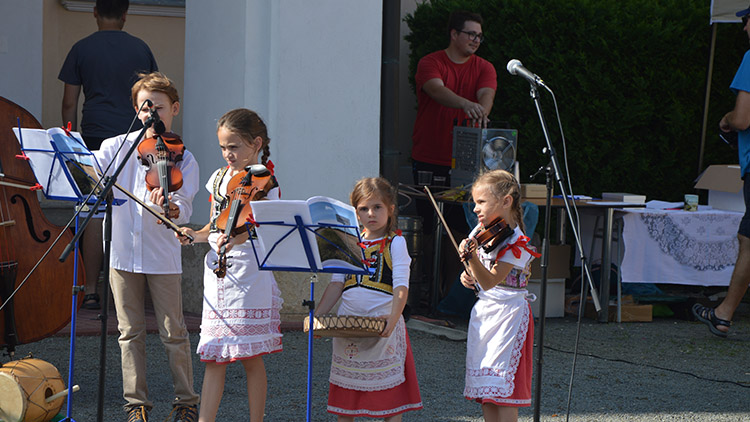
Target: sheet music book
<point>332,231</point>
<point>630,198</point>
<point>65,159</point>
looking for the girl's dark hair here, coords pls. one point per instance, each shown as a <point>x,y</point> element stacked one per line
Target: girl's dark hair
<point>369,186</point>
<point>248,125</point>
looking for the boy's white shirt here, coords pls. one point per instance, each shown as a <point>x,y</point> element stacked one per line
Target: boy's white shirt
<point>139,245</point>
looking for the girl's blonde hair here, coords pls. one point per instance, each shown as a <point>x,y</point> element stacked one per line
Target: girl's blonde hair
<point>501,183</point>
<point>156,82</point>
<point>248,126</point>
<point>370,186</point>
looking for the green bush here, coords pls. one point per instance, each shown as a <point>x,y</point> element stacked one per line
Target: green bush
<point>629,78</point>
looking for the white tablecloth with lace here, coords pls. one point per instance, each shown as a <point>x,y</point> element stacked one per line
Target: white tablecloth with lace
<point>679,247</point>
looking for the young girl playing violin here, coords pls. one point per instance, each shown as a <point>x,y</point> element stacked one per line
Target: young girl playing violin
<point>501,328</point>
<point>374,377</point>
<point>241,320</point>
<point>147,256</point>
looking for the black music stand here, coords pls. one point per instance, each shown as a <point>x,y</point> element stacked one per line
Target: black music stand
<point>106,194</point>
<point>300,239</point>
<point>64,167</point>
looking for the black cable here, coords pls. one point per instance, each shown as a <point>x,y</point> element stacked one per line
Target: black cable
<point>646,365</point>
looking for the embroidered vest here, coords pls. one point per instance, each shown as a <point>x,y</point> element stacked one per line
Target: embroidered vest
<point>378,256</point>
<point>218,201</point>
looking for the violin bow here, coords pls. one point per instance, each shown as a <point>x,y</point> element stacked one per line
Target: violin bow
<point>94,174</point>
<point>167,222</point>
<point>450,235</point>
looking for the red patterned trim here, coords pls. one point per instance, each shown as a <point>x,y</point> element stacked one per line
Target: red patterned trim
<point>238,313</point>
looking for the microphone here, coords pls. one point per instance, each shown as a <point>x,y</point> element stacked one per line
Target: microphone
<point>158,125</point>
<point>515,67</point>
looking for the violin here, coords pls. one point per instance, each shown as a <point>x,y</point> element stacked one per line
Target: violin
<point>251,184</point>
<point>161,154</point>
<point>498,230</point>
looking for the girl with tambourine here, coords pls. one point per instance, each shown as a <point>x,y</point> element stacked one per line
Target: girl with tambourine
<point>374,376</point>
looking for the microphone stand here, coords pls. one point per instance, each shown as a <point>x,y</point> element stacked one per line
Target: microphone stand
<point>106,194</point>
<point>555,168</point>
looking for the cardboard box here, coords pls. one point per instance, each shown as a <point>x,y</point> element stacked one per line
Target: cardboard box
<point>631,312</point>
<point>555,305</point>
<point>533,190</point>
<point>559,263</point>
<point>724,186</point>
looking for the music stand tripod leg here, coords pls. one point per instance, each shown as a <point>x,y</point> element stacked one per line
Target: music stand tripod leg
<point>311,306</point>
<point>73,318</point>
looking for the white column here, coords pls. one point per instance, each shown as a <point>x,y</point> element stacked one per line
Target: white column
<point>21,53</point>
<point>311,69</point>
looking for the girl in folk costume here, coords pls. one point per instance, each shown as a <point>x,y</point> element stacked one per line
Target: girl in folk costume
<point>374,377</point>
<point>501,329</point>
<point>241,320</point>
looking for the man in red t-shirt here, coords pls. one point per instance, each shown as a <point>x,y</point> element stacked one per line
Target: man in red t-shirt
<point>453,85</point>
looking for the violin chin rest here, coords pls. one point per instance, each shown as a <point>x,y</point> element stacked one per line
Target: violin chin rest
<point>257,170</point>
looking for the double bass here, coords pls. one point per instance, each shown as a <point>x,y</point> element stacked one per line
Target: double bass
<point>42,306</point>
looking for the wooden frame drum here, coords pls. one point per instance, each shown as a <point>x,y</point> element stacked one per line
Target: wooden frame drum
<point>345,326</point>
<point>24,387</point>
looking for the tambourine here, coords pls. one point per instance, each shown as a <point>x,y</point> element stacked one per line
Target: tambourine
<point>345,326</point>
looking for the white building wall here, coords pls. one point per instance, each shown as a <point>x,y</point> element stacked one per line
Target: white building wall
<point>21,53</point>
<point>312,71</point>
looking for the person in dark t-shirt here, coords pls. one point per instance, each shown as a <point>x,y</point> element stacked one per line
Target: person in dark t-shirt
<point>106,64</point>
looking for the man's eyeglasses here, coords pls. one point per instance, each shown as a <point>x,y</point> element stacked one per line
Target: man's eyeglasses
<point>744,20</point>
<point>480,37</point>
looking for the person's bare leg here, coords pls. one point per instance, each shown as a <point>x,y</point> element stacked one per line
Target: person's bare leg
<point>491,412</point>
<point>737,285</point>
<point>257,385</point>
<point>507,413</point>
<point>212,390</point>
<point>396,418</point>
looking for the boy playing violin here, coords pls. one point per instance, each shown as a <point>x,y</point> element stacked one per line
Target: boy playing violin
<point>147,256</point>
